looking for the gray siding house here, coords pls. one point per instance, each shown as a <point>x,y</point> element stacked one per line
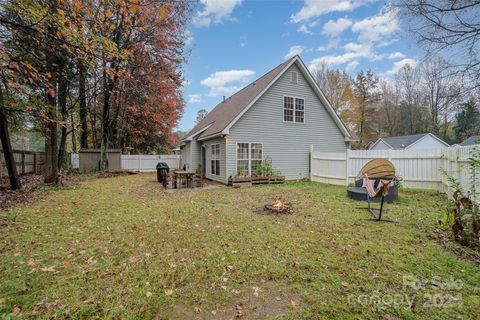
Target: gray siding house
<point>420,141</point>
<point>280,115</point>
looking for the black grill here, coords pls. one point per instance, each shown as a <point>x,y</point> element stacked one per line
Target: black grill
<point>162,170</point>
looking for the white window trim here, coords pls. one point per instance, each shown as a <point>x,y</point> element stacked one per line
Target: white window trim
<point>294,109</point>
<point>215,159</point>
<point>249,155</point>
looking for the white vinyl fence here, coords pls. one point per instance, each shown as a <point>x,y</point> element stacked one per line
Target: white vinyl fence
<point>139,162</point>
<point>146,163</point>
<point>417,169</point>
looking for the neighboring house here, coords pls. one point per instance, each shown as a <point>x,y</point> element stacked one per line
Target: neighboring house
<point>412,142</point>
<point>280,115</point>
<point>470,141</point>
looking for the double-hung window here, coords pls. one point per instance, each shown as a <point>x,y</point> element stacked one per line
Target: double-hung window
<point>215,159</point>
<point>293,109</point>
<point>249,156</point>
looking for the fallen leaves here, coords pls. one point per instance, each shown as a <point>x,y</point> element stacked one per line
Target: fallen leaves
<point>168,292</point>
<point>239,310</point>
<point>32,262</point>
<point>16,310</point>
<point>48,269</point>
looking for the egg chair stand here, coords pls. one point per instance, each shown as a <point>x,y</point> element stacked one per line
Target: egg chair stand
<point>384,171</point>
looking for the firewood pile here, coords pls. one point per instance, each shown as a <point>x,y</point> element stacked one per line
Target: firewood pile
<point>276,207</point>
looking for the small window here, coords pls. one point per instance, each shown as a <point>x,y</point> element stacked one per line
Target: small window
<point>293,109</point>
<point>294,76</point>
<point>288,109</point>
<point>215,159</point>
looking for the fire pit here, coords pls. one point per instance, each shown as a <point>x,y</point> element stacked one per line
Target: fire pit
<point>277,207</point>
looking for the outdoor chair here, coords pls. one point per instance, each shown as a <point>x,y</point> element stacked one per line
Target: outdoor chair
<point>383,171</point>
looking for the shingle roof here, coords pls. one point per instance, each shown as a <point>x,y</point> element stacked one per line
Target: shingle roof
<point>402,142</point>
<point>470,141</point>
<point>225,112</point>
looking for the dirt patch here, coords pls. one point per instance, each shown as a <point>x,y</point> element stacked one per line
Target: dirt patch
<point>263,301</point>
<point>33,188</point>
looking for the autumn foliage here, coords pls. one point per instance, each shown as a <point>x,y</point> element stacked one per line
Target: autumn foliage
<point>97,74</point>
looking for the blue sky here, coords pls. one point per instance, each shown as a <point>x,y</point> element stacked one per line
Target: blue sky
<point>232,42</point>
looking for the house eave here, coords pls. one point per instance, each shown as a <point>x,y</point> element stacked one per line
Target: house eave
<point>212,136</point>
<point>199,132</point>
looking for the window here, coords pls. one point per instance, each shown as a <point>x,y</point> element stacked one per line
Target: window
<point>288,109</point>
<point>255,156</point>
<point>299,110</point>
<point>242,159</point>
<point>249,156</point>
<point>293,109</point>
<point>215,159</point>
<point>294,77</point>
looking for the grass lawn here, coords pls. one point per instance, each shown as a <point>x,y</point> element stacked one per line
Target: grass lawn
<point>123,248</point>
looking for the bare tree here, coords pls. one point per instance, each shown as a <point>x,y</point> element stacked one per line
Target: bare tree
<point>450,27</point>
<point>388,105</point>
<point>367,96</point>
<point>408,87</point>
<point>442,91</point>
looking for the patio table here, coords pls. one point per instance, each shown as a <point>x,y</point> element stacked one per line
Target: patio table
<point>181,176</point>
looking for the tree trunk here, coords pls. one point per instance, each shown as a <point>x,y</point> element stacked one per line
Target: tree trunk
<point>105,120</point>
<point>51,143</point>
<point>15,182</point>
<point>62,103</point>
<point>83,105</point>
<point>74,135</point>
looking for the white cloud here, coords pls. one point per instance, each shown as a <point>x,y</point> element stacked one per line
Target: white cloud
<point>315,8</point>
<point>226,82</point>
<point>400,64</point>
<point>215,11</point>
<point>195,98</point>
<point>396,55</point>
<point>352,65</point>
<point>335,28</point>
<point>304,29</point>
<point>294,50</point>
<point>372,32</point>
<point>353,51</point>
<point>377,28</point>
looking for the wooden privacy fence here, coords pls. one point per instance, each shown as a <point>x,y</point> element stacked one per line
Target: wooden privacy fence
<point>418,169</point>
<point>139,162</point>
<point>26,161</point>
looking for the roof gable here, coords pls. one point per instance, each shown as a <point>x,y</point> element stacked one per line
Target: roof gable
<point>470,141</point>
<point>403,142</point>
<point>226,113</point>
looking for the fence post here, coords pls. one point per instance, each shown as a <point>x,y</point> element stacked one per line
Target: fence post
<point>311,161</point>
<point>347,165</point>
<point>34,162</point>
<point>23,161</point>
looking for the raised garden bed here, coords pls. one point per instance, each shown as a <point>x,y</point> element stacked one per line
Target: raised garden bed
<point>248,181</point>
